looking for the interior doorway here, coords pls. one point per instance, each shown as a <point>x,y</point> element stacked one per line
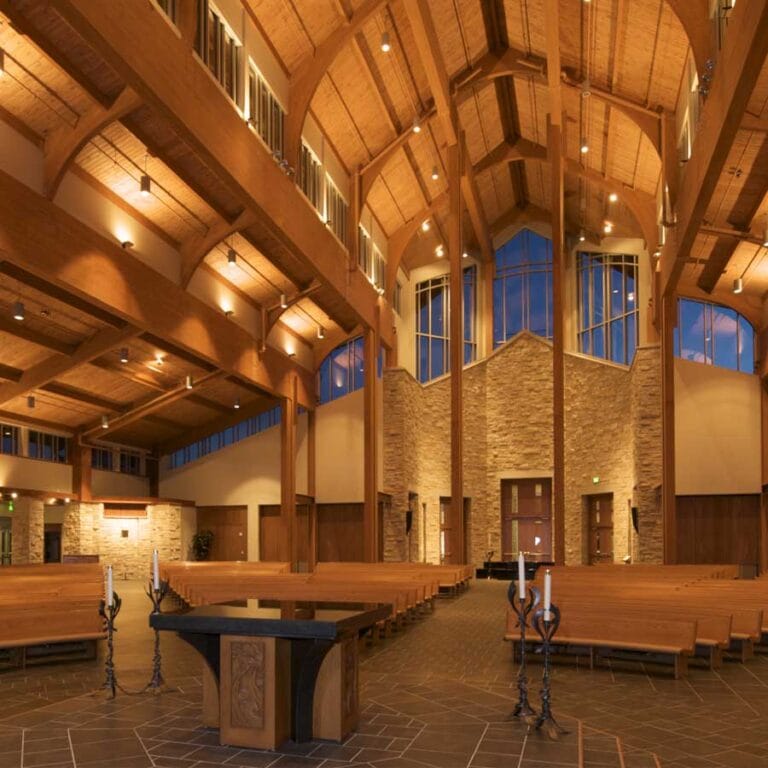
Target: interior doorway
<point>526,519</point>
<point>447,538</point>
<point>229,526</point>
<point>52,543</point>
<point>598,518</point>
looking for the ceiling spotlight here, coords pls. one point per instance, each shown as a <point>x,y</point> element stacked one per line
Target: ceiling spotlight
<point>416,125</point>
<point>145,185</point>
<point>231,258</point>
<point>738,285</point>
<point>320,332</point>
<point>189,382</point>
<point>30,401</point>
<point>613,197</point>
<point>105,421</point>
<point>385,45</point>
<point>158,359</point>
<point>14,495</point>
<point>465,255</point>
<point>425,225</point>
<point>283,301</point>
<point>124,355</point>
<point>584,148</point>
<point>67,499</point>
<point>440,251</point>
<point>586,88</point>
<point>435,173</point>
<point>126,244</point>
<point>18,311</point>
<point>237,404</point>
<point>229,312</point>
<point>2,62</point>
<point>607,227</point>
<point>582,236</point>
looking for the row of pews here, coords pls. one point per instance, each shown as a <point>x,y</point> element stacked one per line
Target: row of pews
<point>409,588</point>
<point>655,613</point>
<point>50,611</point>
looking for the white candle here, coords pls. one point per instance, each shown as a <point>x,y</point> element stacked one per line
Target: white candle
<point>547,594</point>
<point>156,570</point>
<point>110,590</point>
<point>521,575</point>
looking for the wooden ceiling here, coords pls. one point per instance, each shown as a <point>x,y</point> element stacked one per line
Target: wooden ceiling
<point>630,53</point>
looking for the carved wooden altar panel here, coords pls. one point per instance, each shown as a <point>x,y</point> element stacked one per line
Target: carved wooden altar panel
<point>255,691</point>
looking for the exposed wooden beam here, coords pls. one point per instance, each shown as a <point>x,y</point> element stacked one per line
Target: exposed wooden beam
<point>274,313</point>
<point>63,143</point>
<point>164,76</point>
<point>509,63</point>
<point>693,16</point>
<point>753,123</point>
<point>147,408</point>
<point>717,262</point>
<point>309,73</point>
<point>510,152</point>
<point>373,168</point>
<point>198,246</point>
<point>738,68</point>
<point>23,331</point>
<point>399,239</point>
<point>18,418</point>
<point>47,370</point>
<point>474,204</point>
<point>60,250</point>
<point>83,396</point>
<point>428,46</point>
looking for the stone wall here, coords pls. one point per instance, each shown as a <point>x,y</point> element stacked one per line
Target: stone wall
<point>612,423</point>
<point>125,543</point>
<point>27,528</point>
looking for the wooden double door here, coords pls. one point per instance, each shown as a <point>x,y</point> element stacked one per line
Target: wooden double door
<point>526,519</point>
<point>229,526</point>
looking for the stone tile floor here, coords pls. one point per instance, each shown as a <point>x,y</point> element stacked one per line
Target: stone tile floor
<point>437,694</point>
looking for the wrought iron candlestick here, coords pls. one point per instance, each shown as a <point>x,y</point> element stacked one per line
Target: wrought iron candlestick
<point>546,624</point>
<point>109,614</point>
<point>522,607</point>
<point>156,595</point>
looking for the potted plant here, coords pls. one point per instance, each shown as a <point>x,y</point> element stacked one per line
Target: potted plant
<point>201,544</point>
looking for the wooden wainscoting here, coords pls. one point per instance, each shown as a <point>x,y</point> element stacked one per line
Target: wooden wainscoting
<point>230,531</point>
<point>340,532</point>
<point>718,529</point>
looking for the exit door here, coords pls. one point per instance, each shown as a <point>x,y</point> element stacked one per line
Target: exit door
<point>599,511</point>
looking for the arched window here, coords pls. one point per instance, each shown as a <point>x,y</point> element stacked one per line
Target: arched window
<point>715,335</point>
<point>343,370</point>
<point>522,287</point>
<point>608,304</point>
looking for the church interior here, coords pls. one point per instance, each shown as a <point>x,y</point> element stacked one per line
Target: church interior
<point>385,382</point>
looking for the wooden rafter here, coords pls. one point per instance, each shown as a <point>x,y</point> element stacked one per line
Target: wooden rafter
<point>147,408</point>
<point>309,73</point>
<point>63,144</point>
<point>52,367</point>
<point>739,66</point>
<point>23,331</point>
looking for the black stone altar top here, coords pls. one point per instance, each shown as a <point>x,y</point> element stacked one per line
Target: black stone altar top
<point>311,621</point>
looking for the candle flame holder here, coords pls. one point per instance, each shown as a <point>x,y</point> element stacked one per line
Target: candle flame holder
<point>156,595</point>
<point>109,614</point>
<point>546,624</point>
<point>522,607</point>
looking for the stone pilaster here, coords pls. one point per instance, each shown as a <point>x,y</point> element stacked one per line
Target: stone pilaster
<point>27,526</point>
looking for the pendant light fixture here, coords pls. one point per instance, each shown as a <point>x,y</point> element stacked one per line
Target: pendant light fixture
<point>613,198</point>
<point>416,125</point>
<point>738,285</point>
<point>425,225</point>
<point>237,404</point>
<point>386,47</point>
<point>30,401</point>
<point>283,301</point>
<point>124,355</point>
<point>145,185</point>
<point>582,236</point>
<point>2,62</point>
<point>18,311</point>
<point>105,421</point>
<point>584,148</point>
<point>231,258</point>
<point>189,382</point>
<point>320,332</point>
<point>435,173</point>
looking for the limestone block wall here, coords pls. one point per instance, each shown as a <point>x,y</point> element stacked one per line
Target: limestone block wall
<point>646,404</point>
<point>613,431</point>
<point>125,543</point>
<point>27,528</point>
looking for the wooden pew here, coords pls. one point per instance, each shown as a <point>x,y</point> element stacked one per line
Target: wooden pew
<point>596,633</point>
<point>50,605</point>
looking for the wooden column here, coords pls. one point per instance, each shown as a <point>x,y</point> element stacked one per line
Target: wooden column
<point>487,275</point>
<point>555,142</point>
<point>288,477</point>
<point>82,471</point>
<point>371,531</point>
<point>668,503</point>
<point>353,222</point>
<point>456,545</point>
